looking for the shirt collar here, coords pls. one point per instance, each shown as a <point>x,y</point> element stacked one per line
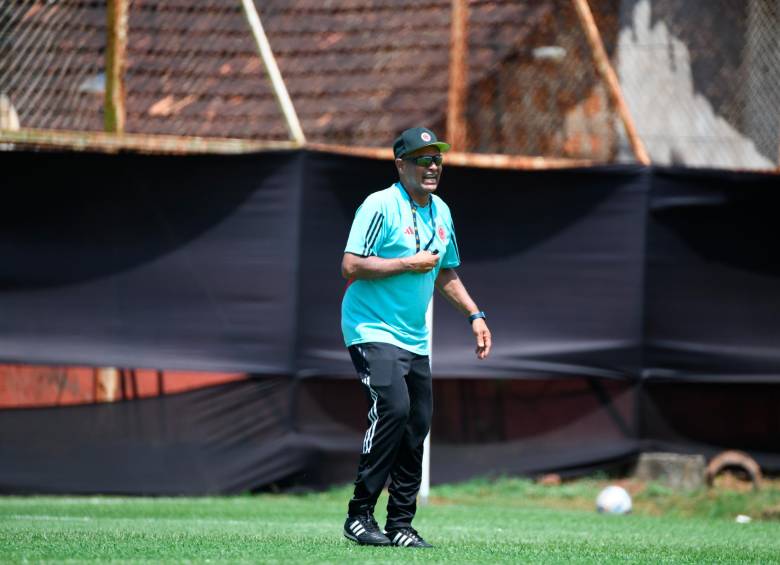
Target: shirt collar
<point>405,196</point>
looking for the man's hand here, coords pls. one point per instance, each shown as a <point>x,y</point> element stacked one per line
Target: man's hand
<point>421,262</point>
<point>482,334</point>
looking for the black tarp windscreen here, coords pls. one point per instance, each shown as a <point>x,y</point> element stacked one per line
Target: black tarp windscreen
<point>713,276</point>
<point>707,418</point>
<point>229,438</point>
<point>488,426</point>
<point>554,258</point>
<point>612,293</point>
<point>150,261</point>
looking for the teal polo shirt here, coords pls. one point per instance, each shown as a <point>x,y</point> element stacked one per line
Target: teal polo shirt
<point>392,309</point>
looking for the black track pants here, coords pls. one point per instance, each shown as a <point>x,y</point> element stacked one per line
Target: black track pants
<point>398,386</point>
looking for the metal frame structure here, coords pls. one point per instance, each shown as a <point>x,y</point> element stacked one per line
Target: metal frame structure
<point>114,139</point>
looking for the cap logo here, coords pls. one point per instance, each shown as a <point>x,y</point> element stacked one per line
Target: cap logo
<point>425,136</point>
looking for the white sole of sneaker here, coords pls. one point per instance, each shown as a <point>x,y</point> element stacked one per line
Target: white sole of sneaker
<point>357,541</point>
<point>401,540</point>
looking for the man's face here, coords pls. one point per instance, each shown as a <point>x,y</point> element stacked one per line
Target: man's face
<point>419,179</point>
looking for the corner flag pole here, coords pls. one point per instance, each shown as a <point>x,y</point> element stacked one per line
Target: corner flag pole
<point>425,484</point>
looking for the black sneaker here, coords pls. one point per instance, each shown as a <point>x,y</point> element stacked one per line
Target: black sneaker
<point>406,537</point>
<point>364,530</point>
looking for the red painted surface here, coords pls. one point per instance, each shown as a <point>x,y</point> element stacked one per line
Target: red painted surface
<point>31,385</point>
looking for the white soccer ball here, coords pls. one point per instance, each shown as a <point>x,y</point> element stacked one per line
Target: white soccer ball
<point>614,500</point>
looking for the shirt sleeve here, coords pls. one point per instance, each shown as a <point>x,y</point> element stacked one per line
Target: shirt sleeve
<point>367,233</point>
<point>451,257</point>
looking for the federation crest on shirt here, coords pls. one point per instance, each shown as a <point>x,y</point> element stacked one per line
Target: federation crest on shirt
<point>442,233</point>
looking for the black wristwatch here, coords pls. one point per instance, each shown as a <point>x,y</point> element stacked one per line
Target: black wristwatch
<point>476,315</point>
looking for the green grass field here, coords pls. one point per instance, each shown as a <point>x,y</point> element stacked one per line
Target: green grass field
<point>508,520</point>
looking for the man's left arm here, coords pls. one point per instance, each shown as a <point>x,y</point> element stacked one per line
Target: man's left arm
<point>449,284</point>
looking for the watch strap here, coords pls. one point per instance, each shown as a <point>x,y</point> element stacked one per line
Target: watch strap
<point>476,315</point>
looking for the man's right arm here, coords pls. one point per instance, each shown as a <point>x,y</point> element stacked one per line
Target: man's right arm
<point>372,267</point>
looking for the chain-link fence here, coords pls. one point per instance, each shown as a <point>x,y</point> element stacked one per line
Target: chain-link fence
<point>358,72</point>
<point>191,68</point>
<point>363,71</point>
<point>541,94</point>
<point>50,63</point>
<point>701,78</point>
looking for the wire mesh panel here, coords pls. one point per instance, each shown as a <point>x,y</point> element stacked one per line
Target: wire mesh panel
<point>534,89</point>
<point>193,69</point>
<point>360,72</point>
<point>51,63</point>
<point>702,78</point>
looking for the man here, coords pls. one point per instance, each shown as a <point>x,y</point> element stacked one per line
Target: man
<point>402,244</point>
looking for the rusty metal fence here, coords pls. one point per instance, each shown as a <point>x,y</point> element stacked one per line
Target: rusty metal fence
<point>702,78</point>
<point>50,65</point>
<point>190,68</point>
<point>699,78</point>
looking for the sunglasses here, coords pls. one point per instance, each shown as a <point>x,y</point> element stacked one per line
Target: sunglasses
<point>426,161</point>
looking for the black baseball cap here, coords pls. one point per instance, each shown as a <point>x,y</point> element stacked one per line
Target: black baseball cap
<point>413,139</point>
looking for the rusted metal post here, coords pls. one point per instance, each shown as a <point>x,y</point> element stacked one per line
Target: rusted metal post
<point>608,75</point>
<point>114,122</point>
<point>272,70</point>
<point>143,143</point>
<point>458,87</point>
<point>480,160</point>
<point>116,48</point>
